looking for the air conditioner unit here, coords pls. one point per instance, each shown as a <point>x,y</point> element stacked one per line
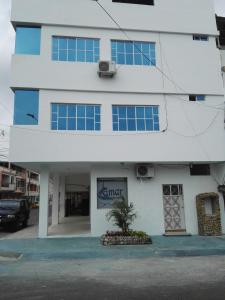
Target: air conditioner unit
<point>223,69</point>
<point>145,171</point>
<point>106,69</point>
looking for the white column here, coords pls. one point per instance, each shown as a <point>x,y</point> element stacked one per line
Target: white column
<point>62,192</point>
<point>55,202</point>
<point>43,205</point>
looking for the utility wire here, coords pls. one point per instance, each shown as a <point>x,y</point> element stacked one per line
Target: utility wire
<point>149,60</point>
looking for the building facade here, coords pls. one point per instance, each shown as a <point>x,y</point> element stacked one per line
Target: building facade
<point>153,133</point>
<point>17,182</point>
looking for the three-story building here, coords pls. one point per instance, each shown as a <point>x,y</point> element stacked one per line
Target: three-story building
<point>151,132</point>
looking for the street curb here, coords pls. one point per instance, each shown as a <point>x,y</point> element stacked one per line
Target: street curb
<point>10,256</point>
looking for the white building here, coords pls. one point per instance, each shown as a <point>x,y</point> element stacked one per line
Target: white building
<point>162,109</point>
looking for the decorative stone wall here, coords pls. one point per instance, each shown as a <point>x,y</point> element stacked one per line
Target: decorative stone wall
<point>208,224</point>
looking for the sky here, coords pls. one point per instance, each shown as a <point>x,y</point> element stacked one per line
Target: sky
<point>7,37</point>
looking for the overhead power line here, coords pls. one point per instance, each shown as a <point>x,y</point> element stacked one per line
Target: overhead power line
<point>149,60</point>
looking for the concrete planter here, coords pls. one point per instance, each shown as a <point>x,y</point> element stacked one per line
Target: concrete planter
<point>108,240</point>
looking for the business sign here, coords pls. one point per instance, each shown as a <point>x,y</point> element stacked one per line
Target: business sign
<point>110,190</point>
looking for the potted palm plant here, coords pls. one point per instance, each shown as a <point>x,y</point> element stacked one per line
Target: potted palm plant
<point>123,215</point>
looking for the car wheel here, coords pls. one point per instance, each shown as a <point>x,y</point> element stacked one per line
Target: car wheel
<point>25,223</point>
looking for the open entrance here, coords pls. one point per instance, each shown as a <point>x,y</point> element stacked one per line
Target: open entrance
<point>73,208</point>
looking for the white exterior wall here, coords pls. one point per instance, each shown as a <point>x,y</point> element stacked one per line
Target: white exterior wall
<point>185,61</point>
<point>147,197</point>
<point>195,131</point>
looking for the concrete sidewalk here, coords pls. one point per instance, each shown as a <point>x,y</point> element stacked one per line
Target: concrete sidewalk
<point>90,248</point>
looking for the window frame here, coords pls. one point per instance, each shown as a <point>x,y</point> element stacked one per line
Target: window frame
<point>69,51</point>
<point>135,118</point>
<point>138,54</point>
<point>36,51</point>
<point>78,121</point>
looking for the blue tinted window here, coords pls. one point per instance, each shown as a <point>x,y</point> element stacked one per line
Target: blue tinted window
<point>133,53</point>
<point>203,38</point>
<point>26,106</point>
<point>76,117</point>
<point>200,98</point>
<point>75,49</point>
<point>28,40</point>
<point>135,118</point>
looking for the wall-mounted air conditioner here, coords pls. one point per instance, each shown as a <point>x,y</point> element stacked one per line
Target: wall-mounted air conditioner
<point>145,171</point>
<point>106,69</point>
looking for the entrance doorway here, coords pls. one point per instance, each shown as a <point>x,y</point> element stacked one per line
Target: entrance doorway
<point>173,200</point>
<point>77,204</point>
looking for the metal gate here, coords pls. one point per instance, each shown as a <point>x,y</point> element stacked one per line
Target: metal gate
<point>173,200</point>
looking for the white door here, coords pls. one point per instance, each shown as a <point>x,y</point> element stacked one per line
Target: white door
<point>173,200</point>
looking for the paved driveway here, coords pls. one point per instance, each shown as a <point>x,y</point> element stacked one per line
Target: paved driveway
<point>28,232</point>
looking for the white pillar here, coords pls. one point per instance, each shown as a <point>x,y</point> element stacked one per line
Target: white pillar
<point>43,205</point>
<point>55,202</point>
<point>62,192</point>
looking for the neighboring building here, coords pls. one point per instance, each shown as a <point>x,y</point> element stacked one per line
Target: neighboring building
<point>153,133</point>
<point>221,42</point>
<point>17,182</point>
<point>32,186</point>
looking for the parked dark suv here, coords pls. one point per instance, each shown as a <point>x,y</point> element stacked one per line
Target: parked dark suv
<point>14,213</point>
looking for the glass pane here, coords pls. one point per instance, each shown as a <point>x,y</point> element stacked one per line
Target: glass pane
<point>26,107</point>
<point>72,110</point>
<point>90,124</point>
<point>121,59</point>
<point>89,44</point>
<point>63,55</point>
<point>81,124</point>
<point>131,112</point>
<point>71,44</point>
<point>97,109</point>
<point>62,124</point>
<point>166,190</point>
<point>28,40</point>
<point>140,124</point>
<point>80,44</point>
<point>81,56</point>
<point>81,111</point>
<point>54,126</point>
<point>174,190</point>
<point>54,108</point>
<point>89,56</point>
<point>129,46</point>
<point>140,112</point>
<point>115,127</point>
<point>145,48</point>
<point>115,109</point>
<point>62,44</point>
<point>55,45</point>
<point>120,47</point>
<point>71,124</point>
<point>122,112</point>
<point>97,126</point>
<point>129,59</point>
<point>122,125</point>
<point>71,55</point>
<point>90,111</point>
<point>97,118</point>
<point>148,112</point>
<point>138,59</point>
<point>62,110</point>
<point>131,125</point>
<point>149,124</point>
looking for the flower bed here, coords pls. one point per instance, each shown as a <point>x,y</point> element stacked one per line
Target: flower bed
<point>130,238</point>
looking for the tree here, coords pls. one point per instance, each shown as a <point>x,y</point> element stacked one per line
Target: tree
<point>122,214</point>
